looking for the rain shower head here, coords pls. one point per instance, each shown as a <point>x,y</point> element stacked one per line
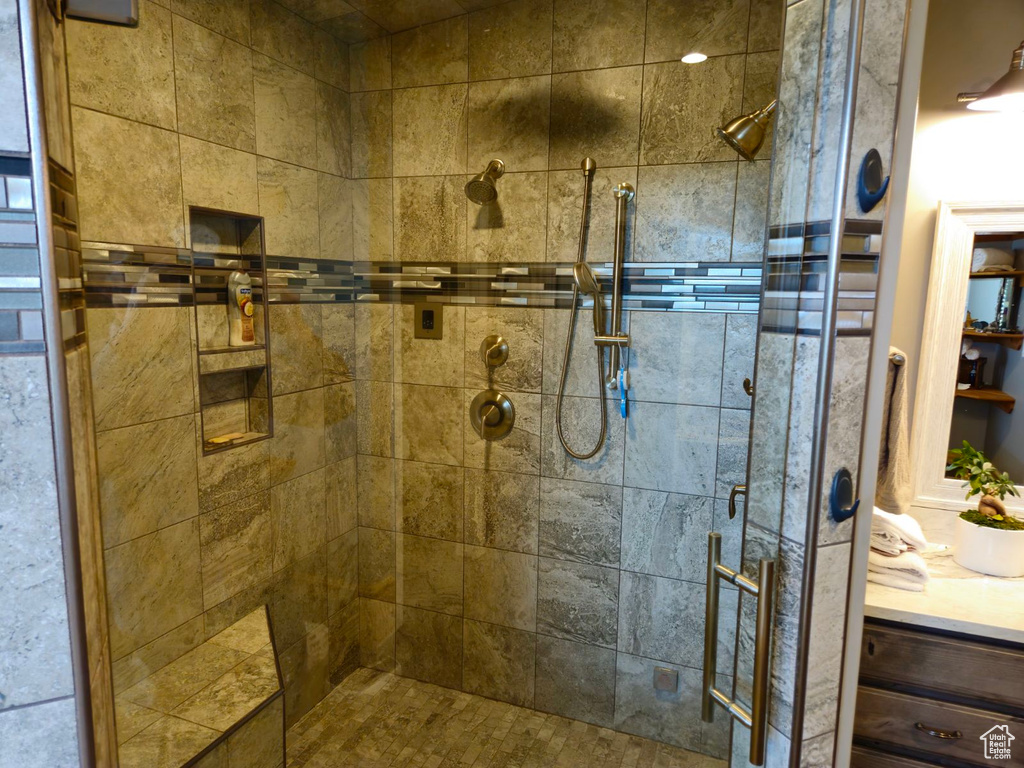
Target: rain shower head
<point>481,188</point>
<point>746,133</point>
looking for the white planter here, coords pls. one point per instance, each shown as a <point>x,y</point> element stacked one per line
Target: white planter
<point>989,550</point>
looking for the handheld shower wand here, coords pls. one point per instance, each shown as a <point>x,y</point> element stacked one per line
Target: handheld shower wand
<point>585,281</point>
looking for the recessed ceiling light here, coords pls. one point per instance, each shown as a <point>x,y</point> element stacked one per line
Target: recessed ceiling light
<point>694,58</point>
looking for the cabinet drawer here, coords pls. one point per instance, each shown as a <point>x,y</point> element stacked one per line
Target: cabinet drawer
<point>870,758</point>
<point>975,671</point>
<point>896,718</point>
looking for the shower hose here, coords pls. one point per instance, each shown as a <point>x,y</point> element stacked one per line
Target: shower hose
<point>588,167</point>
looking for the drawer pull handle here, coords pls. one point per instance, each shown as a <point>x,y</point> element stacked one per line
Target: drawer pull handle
<point>938,733</point>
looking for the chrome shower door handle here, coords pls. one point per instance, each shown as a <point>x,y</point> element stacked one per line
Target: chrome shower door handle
<point>756,718</point>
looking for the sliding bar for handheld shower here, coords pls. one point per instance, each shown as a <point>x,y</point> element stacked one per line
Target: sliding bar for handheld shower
<point>623,193</point>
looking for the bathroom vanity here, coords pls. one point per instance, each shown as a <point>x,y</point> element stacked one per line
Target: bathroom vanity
<point>939,670</point>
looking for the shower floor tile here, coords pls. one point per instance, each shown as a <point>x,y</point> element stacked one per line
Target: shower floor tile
<point>374,719</point>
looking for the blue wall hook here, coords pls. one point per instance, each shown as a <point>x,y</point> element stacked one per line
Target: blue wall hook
<point>871,186</point>
<point>841,504</point>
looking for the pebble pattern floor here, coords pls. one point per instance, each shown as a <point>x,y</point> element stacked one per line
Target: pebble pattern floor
<point>374,719</point>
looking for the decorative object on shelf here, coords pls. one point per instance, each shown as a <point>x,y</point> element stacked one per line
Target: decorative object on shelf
<point>971,372</point>
<point>240,310</point>
<point>988,540</point>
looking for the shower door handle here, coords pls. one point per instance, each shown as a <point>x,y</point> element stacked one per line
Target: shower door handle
<point>755,718</point>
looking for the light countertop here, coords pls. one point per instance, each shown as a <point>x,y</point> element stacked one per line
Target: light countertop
<point>955,599</point>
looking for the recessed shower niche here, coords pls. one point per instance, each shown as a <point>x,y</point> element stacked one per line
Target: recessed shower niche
<point>231,328</point>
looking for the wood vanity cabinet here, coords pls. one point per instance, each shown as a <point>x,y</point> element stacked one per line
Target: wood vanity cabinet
<point>927,698</point>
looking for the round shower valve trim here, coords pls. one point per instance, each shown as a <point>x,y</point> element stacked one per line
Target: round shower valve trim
<point>492,414</point>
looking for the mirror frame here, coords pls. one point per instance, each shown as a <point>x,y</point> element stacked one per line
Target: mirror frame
<point>955,228</point>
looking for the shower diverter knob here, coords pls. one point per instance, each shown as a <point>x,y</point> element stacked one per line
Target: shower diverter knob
<point>492,414</point>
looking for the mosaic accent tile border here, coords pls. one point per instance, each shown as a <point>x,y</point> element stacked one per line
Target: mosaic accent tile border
<point>118,275</point>
<point>21,298</point>
<point>67,251</point>
<point>797,265</point>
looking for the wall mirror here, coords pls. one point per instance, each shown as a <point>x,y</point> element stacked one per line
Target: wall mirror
<point>971,380</point>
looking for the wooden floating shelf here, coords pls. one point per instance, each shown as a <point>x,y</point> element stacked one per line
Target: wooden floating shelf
<point>1011,340</point>
<point>995,273</point>
<point>996,397</point>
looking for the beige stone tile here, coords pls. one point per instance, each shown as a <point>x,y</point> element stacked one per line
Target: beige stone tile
<point>298,605</point>
<point>713,27</point>
<point>340,425</point>
<point>760,81</point>
<point>134,379</point>
<point>282,35</point>
<point>158,653</point>
<point>658,371</point>
<point>575,680</point>
<point>511,229</point>
<point>229,19</point>
<point>429,361</point>
<point>371,134</point>
<point>510,40</point>
<point>376,496</point>
<point>232,696</point>
<point>221,474</point>
<point>353,27</point>
<point>288,202</point>
<point>501,587</point>
<point>580,521</point>
<point>372,220</point>
<point>374,341</point>
<point>249,634</point>
<point>765,31</point>
<point>260,742</point>
<point>375,419</point>
<point>432,54</point>
<point>128,72</point>
<point>153,585</point>
<point>519,450</point>
<point>333,140</point>
<point>299,518</point>
<point>167,688</point>
<point>304,668</point>
<point>296,337</point>
<point>429,646</point>
<point>120,199</point>
<point>342,571</point>
<point>139,464</point>
<point>213,176</point>
<point>370,64</point>
<point>581,425</point>
<point>509,120</point>
<point>318,10</point>
<point>132,718</point>
<point>298,444</point>
<point>429,499</point>
<point>671,133</point>
<point>591,34</point>
<point>338,325</point>
<point>430,218</point>
<point>502,510</point>
<point>395,15</point>
<point>576,601</point>
<point>428,423</point>
<point>286,112</point>
<point>377,634</point>
<point>213,86</point>
<point>341,497</point>
<point>377,564</point>
<point>430,130</point>
<point>685,209</point>
<point>343,643</point>
<point>334,198</point>
<point>498,662</point>
<point>565,203</point>
<point>429,574</point>
<point>169,742</point>
<point>595,114</point>
<point>332,62</point>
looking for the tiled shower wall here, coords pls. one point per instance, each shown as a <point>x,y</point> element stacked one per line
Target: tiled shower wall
<point>507,568</point>
<point>237,106</point>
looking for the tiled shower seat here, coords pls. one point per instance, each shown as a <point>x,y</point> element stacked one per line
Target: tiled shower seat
<point>221,705</point>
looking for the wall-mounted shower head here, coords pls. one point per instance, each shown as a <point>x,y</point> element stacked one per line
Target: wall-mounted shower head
<point>481,189</point>
<point>586,282</point>
<point>746,133</point>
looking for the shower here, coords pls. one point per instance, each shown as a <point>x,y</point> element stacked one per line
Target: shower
<point>481,189</point>
<point>746,133</point>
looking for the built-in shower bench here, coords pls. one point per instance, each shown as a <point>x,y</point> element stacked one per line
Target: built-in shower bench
<point>221,705</point>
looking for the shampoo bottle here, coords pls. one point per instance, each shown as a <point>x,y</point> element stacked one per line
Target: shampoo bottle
<point>240,310</point>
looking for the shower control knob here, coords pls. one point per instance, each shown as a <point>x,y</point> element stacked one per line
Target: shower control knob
<point>492,414</point>
<point>494,351</point>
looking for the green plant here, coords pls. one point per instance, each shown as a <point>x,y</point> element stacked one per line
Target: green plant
<point>979,474</point>
<point>1004,523</point>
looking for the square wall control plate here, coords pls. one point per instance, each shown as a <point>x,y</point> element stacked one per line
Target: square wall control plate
<point>429,320</point>
<point>122,12</point>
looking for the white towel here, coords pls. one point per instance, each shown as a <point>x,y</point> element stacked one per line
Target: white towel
<point>892,490</point>
<point>991,260</point>
<point>906,571</point>
<point>888,530</point>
